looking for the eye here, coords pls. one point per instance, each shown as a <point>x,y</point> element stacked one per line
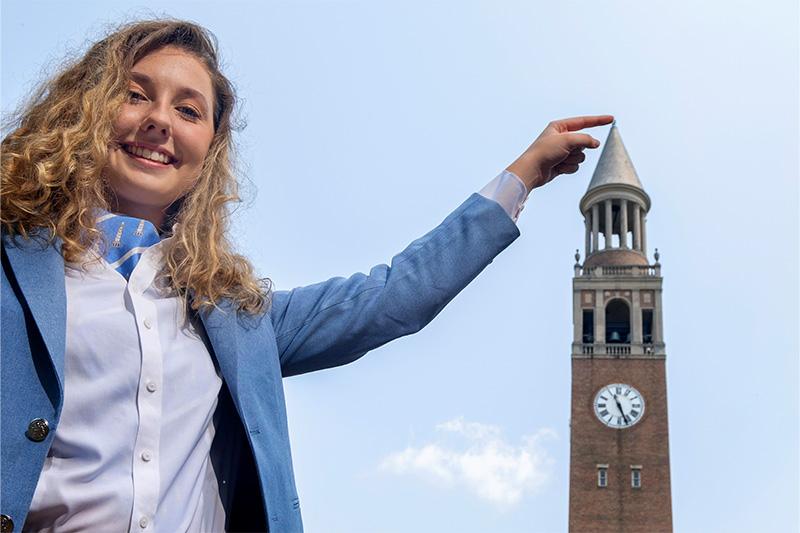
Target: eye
<point>189,112</point>
<point>134,96</point>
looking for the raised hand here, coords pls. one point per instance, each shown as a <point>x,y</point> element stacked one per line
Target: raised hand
<point>557,150</point>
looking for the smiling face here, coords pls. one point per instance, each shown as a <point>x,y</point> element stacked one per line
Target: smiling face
<point>162,132</point>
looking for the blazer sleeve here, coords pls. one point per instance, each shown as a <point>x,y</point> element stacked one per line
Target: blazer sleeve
<point>337,321</point>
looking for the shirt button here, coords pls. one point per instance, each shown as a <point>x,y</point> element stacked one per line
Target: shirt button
<point>147,323</point>
<point>151,387</point>
<point>146,456</point>
<point>143,521</point>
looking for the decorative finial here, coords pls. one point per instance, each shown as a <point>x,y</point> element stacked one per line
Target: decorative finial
<point>656,255</point>
<point>577,266</point>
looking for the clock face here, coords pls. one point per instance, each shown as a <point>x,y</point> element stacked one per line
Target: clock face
<point>619,405</point>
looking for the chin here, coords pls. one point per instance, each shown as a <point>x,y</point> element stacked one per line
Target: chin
<point>139,193</point>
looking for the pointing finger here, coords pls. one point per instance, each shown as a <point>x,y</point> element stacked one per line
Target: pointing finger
<point>578,123</point>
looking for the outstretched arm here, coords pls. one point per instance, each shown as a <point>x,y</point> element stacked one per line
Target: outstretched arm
<point>337,321</point>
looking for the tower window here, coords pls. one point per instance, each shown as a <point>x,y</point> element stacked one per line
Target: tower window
<point>588,326</point>
<point>618,326</point>
<point>602,475</point>
<point>636,477</point>
<point>647,326</point>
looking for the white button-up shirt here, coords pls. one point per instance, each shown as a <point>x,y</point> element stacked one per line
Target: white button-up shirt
<point>131,449</point>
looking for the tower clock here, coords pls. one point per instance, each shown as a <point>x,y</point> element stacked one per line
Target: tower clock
<point>619,440</point>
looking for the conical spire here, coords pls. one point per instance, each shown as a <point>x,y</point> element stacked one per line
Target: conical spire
<point>614,166</point>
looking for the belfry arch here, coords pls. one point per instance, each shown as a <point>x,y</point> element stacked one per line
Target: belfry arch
<point>618,321</point>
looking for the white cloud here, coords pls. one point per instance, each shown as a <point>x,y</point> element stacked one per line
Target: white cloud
<point>478,459</point>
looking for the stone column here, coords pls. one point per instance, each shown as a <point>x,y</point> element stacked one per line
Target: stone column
<point>636,319</point>
<point>577,321</point>
<point>658,325</point>
<point>595,228</point>
<point>609,236</point>
<point>599,317</point>
<point>644,234</point>
<point>623,233</point>
<point>637,228</point>
<point>588,236</point>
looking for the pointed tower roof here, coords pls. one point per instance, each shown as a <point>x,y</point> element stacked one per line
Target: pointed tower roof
<point>614,165</point>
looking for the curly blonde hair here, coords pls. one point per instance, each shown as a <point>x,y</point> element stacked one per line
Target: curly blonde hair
<point>53,161</point>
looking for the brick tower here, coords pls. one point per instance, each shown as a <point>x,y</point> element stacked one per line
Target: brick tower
<point>619,441</point>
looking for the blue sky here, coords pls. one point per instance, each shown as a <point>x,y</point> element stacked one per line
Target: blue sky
<point>368,122</point>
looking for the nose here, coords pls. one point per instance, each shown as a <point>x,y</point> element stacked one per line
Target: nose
<point>157,121</point>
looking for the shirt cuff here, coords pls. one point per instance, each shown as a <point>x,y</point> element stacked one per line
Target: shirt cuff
<point>508,190</point>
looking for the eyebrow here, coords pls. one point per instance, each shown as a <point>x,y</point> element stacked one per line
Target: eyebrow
<point>183,91</point>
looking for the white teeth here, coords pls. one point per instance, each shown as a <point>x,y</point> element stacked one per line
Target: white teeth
<point>147,154</point>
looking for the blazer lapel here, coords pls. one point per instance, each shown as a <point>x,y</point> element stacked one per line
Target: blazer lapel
<point>221,328</point>
<point>39,270</point>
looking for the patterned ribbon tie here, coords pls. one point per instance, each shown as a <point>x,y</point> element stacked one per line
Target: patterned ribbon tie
<point>127,238</point>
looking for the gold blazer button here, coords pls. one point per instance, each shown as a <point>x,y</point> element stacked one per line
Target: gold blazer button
<point>38,429</point>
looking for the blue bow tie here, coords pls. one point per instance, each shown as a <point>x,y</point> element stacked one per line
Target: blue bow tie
<point>127,238</point>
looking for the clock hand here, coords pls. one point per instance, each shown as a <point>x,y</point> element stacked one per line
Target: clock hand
<point>625,418</point>
<point>618,405</point>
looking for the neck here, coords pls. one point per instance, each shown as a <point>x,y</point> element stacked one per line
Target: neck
<point>157,216</point>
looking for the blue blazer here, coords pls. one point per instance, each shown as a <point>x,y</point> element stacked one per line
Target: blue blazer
<point>307,328</point>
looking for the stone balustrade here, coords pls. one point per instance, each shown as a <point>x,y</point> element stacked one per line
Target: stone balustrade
<point>635,271</point>
<point>618,350</point>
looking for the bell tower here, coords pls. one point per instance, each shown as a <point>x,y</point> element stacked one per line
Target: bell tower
<point>619,440</point>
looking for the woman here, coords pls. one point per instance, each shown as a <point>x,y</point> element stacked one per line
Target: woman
<point>141,358</point>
